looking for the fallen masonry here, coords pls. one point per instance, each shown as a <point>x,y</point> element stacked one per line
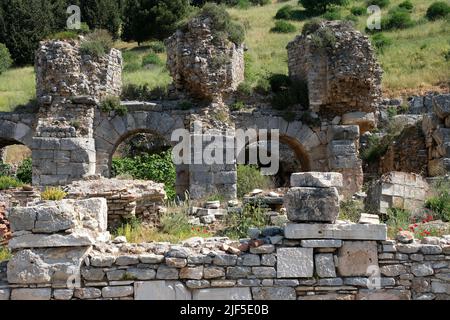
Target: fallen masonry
<point>311,261</point>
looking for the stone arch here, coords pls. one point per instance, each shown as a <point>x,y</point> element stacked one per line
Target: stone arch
<point>110,132</point>
<point>15,133</point>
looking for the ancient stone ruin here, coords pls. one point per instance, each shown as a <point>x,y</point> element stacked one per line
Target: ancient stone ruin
<point>202,64</point>
<point>339,66</point>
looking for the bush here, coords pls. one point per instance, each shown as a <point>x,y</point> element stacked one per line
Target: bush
<point>380,41</point>
<point>5,254</point>
<point>5,58</point>
<point>438,10</point>
<point>155,167</point>
<point>157,47</point>
<point>358,11</point>
<point>320,6</point>
<point>9,182</point>
<point>113,104</point>
<point>143,92</point>
<point>279,82</point>
<point>245,88</point>
<point>239,105</point>
<point>25,171</point>
<point>380,3</point>
<point>185,105</point>
<point>222,24</point>
<point>151,59</point>
<point>53,194</point>
<point>285,12</point>
<point>249,178</point>
<point>252,216</point>
<point>263,86</point>
<point>282,26</point>
<point>175,223</point>
<point>376,148</point>
<point>440,202</point>
<point>407,5</point>
<point>311,26</point>
<point>397,19</point>
<point>5,169</point>
<point>332,15</point>
<point>351,210</point>
<point>97,44</point>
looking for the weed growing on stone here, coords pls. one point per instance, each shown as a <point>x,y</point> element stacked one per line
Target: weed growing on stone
<point>53,194</point>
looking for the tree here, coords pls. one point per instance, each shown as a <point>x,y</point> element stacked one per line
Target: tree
<point>320,6</point>
<point>23,24</point>
<point>102,14</point>
<point>152,19</point>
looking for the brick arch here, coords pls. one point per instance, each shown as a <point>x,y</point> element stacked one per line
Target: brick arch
<point>111,132</point>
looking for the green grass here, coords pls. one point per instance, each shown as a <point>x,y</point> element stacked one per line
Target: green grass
<point>5,254</point>
<point>414,63</point>
<point>17,87</point>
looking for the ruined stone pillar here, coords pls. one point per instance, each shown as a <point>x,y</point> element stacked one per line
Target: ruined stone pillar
<point>70,85</point>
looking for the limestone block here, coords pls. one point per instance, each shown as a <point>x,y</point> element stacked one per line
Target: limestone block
<point>365,121</point>
<point>336,231</point>
<point>31,294</point>
<point>317,179</point>
<point>441,105</point>
<point>355,258</point>
<point>222,294</point>
<point>328,243</point>
<point>117,292</point>
<point>79,238</point>
<point>161,290</point>
<point>274,293</point>
<point>383,294</point>
<point>295,263</point>
<point>325,265</point>
<point>312,204</point>
<point>343,133</point>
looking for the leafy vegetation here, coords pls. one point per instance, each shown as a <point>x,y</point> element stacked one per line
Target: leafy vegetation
<point>151,59</point>
<point>440,202</point>
<point>113,104</point>
<point>97,44</point>
<point>238,223</point>
<point>351,210</point>
<point>24,171</point>
<point>282,26</point>
<point>397,18</point>
<point>438,10</point>
<point>249,178</point>
<point>5,58</point>
<point>155,167</point>
<point>320,6</point>
<point>9,182</point>
<point>53,194</point>
<point>5,254</point>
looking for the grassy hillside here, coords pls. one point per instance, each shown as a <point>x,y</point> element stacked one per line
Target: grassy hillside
<point>414,63</point>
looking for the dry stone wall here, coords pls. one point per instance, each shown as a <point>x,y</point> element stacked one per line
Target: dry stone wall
<point>56,257</point>
<point>342,75</point>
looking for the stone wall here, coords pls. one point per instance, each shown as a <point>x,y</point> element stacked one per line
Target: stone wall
<point>397,190</point>
<point>125,198</point>
<point>202,64</point>
<point>5,232</point>
<point>61,252</point>
<point>343,75</point>
<point>436,127</point>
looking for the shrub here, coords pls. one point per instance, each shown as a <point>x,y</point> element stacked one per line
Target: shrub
<point>5,169</point>
<point>375,149</point>
<point>351,210</point>
<point>263,86</point>
<point>438,10</point>
<point>252,216</point>
<point>311,26</point>
<point>97,44</point>
<point>358,11</point>
<point>249,178</point>
<point>113,104</point>
<point>279,82</point>
<point>53,194</point>
<point>151,59</point>
<point>320,6</point>
<point>282,26</point>
<point>440,202</point>
<point>5,254</point>
<point>155,167</point>
<point>397,19</point>
<point>143,92</point>
<point>351,18</point>
<point>64,35</point>
<point>407,5</point>
<point>185,105</point>
<point>323,38</point>
<point>157,47</point>
<point>332,15</point>
<point>25,171</point>
<point>9,182</point>
<point>397,219</point>
<point>380,41</point>
<point>5,58</point>
<point>285,12</point>
<point>260,2</point>
<point>175,223</point>
<point>380,3</point>
<point>245,88</point>
<point>222,24</point>
<point>244,4</point>
<point>239,105</point>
